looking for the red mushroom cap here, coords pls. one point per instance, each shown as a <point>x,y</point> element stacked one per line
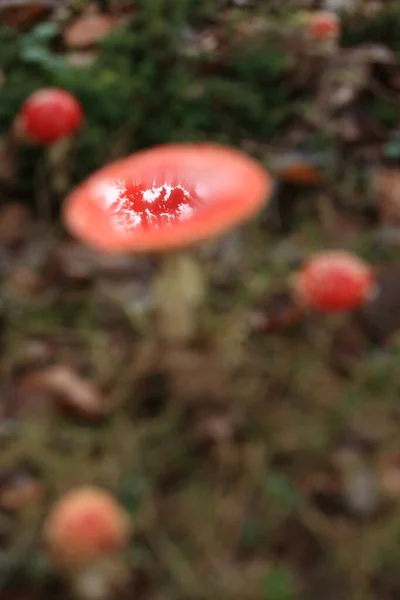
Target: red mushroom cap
<point>85,525</point>
<point>323,25</point>
<point>333,281</point>
<point>167,197</point>
<point>50,114</point>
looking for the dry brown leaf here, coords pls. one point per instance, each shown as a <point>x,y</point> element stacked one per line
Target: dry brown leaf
<point>21,492</point>
<point>91,27</point>
<point>15,223</point>
<point>23,280</point>
<point>81,59</point>
<point>73,391</point>
<point>22,14</point>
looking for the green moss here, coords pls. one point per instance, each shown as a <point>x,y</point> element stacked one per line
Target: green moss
<point>134,97</point>
<point>379,28</point>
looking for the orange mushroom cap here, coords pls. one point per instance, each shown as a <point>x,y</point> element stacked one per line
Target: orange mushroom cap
<point>166,197</point>
<point>85,525</point>
<point>333,281</point>
<point>324,25</point>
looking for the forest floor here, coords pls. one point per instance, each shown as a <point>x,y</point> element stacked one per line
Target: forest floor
<point>263,461</point>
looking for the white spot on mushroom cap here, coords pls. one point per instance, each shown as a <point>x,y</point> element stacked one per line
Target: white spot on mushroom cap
<point>185,211</point>
<point>109,194</point>
<point>117,199</point>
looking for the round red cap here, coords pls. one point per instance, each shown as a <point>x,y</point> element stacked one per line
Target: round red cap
<point>50,114</point>
<point>333,281</point>
<point>324,25</point>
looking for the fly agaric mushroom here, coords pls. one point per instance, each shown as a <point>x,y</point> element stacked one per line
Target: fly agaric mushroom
<point>84,527</point>
<point>323,25</point>
<point>164,200</point>
<point>48,115</point>
<point>333,281</point>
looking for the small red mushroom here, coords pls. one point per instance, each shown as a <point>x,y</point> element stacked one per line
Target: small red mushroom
<point>333,281</point>
<point>85,526</point>
<point>48,115</point>
<point>323,25</point>
<point>168,198</point>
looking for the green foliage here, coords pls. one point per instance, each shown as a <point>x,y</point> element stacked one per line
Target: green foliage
<point>9,46</point>
<point>392,147</point>
<point>145,89</point>
<point>154,81</point>
<point>278,585</point>
<point>385,112</point>
<point>383,28</point>
<point>132,492</point>
<point>251,535</point>
<point>35,48</point>
<point>281,490</point>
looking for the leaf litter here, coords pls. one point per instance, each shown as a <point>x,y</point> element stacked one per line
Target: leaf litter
<point>261,459</point>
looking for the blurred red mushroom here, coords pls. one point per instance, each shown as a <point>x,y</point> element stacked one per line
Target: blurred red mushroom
<point>48,115</point>
<point>333,281</point>
<point>323,25</point>
<point>319,34</point>
<point>166,199</point>
<point>85,526</point>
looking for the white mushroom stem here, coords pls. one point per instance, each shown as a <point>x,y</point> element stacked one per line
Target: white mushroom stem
<point>53,176</point>
<point>58,165</point>
<point>178,293</point>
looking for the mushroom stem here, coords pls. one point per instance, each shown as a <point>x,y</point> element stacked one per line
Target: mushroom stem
<point>178,292</point>
<point>58,165</point>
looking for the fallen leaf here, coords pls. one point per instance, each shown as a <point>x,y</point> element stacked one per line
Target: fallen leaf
<point>81,59</point>
<point>298,168</point>
<point>91,27</point>
<point>23,280</point>
<point>73,391</point>
<point>22,491</point>
<point>301,173</point>
<point>15,223</point>
<point>23,14</point>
